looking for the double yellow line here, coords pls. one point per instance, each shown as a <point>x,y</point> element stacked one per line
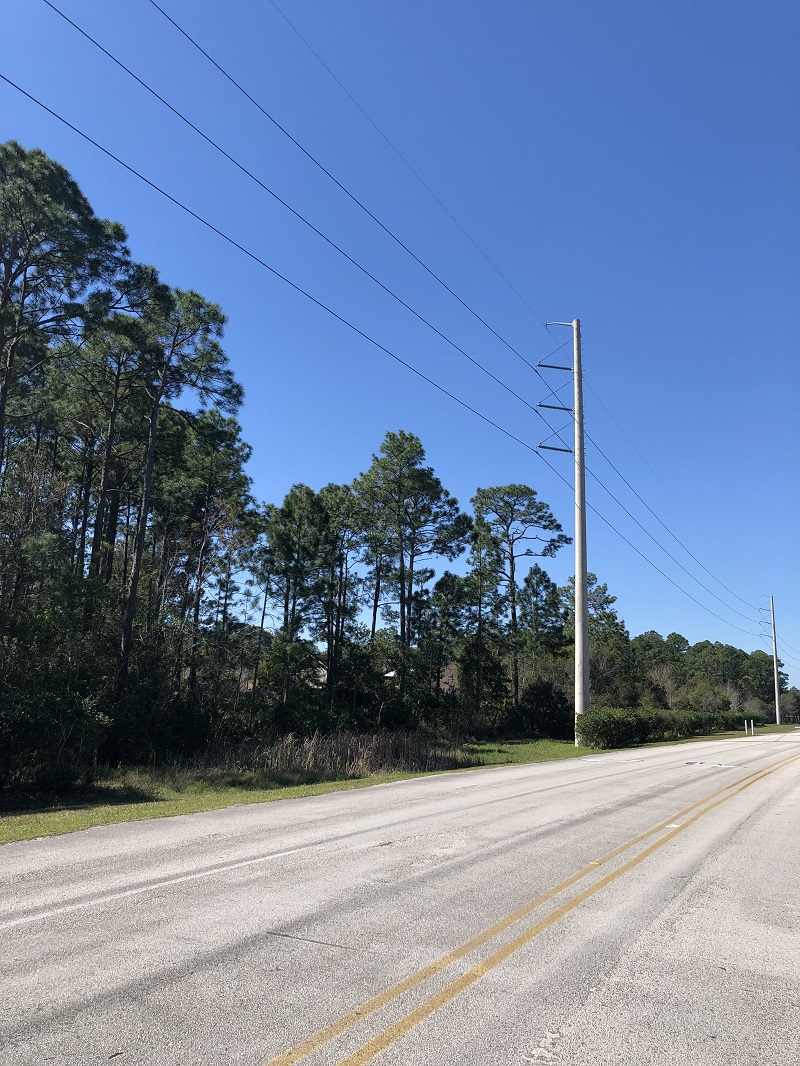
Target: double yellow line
<point>378,1043</point>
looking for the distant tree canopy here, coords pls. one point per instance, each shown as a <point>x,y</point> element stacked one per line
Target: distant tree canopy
<point>149,604</point>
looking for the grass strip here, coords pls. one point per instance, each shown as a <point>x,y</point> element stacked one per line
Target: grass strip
<point>139,793</point>
<point>135,794</point>
<point>68,819</point>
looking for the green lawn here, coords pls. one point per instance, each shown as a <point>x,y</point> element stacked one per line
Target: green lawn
<point>157,799</point>
<point>501,752</point>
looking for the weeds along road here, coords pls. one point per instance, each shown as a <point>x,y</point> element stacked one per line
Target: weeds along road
<point>632,907</point>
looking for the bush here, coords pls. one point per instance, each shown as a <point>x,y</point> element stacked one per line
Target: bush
<point>50,739</point>
<point>623,727</point>
<point>544,711</point>
<point>615,727</point>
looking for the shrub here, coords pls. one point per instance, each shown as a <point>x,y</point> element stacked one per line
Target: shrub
<point>544,711</point>
<point>614,727</point>
<point>621,727</point>
<point>50,739</point>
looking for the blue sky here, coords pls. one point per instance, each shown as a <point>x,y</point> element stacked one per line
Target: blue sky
<point>631,164</point>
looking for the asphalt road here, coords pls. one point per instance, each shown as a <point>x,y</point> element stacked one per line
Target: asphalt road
<point>628,908</point>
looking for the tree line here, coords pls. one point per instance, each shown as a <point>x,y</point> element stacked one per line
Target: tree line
<point>149,603</point>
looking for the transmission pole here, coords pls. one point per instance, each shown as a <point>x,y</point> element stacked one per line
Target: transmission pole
<point>775,665</point>
<point>581,580</point>
<point>581,597</point>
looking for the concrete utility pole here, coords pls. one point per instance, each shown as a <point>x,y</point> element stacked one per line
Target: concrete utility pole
<point>775,665</point>
<point>581,580</point>
<point>581,597</point>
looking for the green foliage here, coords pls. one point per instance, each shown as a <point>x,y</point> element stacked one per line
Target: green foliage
<point>614,727</point>
<point>50,735</point>
<point>544,711</point>
<point>150,606</point>
<point>622,727</point>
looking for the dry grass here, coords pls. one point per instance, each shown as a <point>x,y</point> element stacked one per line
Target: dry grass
<point>335,756</point>
<point>258,772</point>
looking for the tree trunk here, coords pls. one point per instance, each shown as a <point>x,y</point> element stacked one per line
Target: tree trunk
<point>141,533</point>
<point>105,472</point>
<point>376,599</point>
<point>512,600</point>
<point>259,644</point>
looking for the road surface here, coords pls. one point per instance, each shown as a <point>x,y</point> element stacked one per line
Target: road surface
<point>627,908</point>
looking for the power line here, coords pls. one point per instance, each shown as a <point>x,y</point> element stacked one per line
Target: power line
<point>789,658</point>
<point>652,512</point>
<point>672,557</point>
<point>359,203</point>
<point>667,577</point>
<point>261,262</point>
<point>640,454</point>
<point>406,163</point>
<point>783,658</point>
<point>350,259</point>
<point>674,537</point>
<point>552,392</point>
<point>297,214</point>
<point>650,535</point>
<point>338,183</point>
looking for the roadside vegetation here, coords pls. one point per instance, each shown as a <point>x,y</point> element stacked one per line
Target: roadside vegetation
<point>159,619</point>
<point>288,769</point>
<point>133,794</point>
<point>624,727</point>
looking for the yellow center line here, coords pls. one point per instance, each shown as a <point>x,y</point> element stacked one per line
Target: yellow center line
<point>379,1043</point>
<point>347,1021</point>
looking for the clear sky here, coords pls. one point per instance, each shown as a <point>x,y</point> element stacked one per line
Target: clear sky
<point>632,164</point>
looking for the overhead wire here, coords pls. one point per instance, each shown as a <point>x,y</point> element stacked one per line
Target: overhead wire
<point>674,537</point>
<point>552,392</point>
<point>669,554</point>
<point>677,562</point>
<point>272,270</point>
<point>390,233</point>
<point>783,658</point>
<point>297,214</point>
<point>471,310</point>
<point>376,280</point>
<point>633,445</point>
<point>406,163</point>
<point>789,658</point>
<point>393,355</point>
<point>653,513</point>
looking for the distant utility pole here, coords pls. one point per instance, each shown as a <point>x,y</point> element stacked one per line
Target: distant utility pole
<point>775,665</point>
<point>581,596</point>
